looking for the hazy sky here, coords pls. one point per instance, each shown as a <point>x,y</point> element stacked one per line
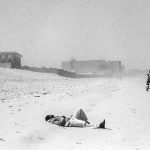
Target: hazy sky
<point>47,32</point>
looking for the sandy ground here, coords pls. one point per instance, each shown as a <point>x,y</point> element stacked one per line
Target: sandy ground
<point>27,97</point>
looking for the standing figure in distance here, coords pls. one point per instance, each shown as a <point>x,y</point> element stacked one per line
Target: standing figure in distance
<point>148,81</point>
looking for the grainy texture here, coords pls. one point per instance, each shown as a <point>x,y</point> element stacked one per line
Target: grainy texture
<point>27,97</point>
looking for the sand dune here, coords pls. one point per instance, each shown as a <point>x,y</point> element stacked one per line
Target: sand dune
<point>26,97</point>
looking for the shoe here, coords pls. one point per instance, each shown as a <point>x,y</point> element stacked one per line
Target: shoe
<point>102,124</point>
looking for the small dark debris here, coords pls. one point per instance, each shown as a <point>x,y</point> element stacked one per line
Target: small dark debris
<point>3,100</point>
<point>45,93</point>
<point>36,96</point>
<point>18,132</point>
<point>78,143</point>
<point>2,139</point>
<point>40,138</point>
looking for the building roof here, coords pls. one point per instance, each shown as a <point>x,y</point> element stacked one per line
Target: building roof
<point>11,52</point>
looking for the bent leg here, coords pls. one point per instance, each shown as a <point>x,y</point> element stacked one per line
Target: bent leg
<point>79,114</point>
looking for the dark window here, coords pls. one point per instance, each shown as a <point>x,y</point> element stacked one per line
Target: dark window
<point>9,60</point>
<point>3,60</point>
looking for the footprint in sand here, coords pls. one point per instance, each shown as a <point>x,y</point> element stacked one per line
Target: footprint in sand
<point>109,113</point>
<point>93,105</point>
<point>124,139</point>
<point>34,137</point>
<point>133,110</point>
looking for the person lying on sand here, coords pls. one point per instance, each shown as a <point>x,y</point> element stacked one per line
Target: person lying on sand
<point>78,119</point>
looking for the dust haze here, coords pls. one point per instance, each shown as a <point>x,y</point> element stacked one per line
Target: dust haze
<point>47,32</point>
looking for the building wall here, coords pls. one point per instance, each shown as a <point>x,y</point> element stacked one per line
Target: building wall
<point>17,61</point>
<point>92,66</point>
<point>66,66</point>
<point>116,66</point>
<point>5,65</point>
<point>14,60</point>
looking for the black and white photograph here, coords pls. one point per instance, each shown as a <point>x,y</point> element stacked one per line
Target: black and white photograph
<point>74,75</point>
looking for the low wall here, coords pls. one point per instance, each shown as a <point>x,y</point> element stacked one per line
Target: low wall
<point>5,65</point>
<point>64,73</point>
<point>44,70</point>
<point>69,74</point>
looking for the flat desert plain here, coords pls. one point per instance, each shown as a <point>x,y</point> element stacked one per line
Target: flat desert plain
<point>27,97</point>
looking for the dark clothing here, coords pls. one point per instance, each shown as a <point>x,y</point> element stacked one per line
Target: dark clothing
<point>148,79</point>
<point>59,120</point>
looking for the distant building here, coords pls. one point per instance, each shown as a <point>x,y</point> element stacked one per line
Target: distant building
<point>10,59</point>
<point>100,67</point>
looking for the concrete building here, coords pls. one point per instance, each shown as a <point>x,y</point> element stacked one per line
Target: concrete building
<point>100,67</point>
<point>10,59</point>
